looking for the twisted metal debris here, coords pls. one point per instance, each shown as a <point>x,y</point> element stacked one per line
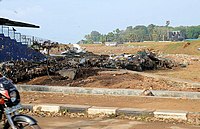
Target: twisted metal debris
<point>82,63</point>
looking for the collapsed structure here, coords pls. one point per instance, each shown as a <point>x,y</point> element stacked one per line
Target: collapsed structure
<point>76,63</point>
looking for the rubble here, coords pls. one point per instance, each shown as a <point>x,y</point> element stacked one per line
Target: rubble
<point>68,73</point>
<point>194,59</point>
<point>77,63</point>
<point>74,49</point>
<point>143,60</point>
<point>182,57</point>
<point>146,92</point>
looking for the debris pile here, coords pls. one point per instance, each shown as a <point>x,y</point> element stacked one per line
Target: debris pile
<point>44,47</point>
<point>183,60</point>
<point>77,63</point>
<point>143,60</point>
<point>25,70</point>
<point>74,49</point>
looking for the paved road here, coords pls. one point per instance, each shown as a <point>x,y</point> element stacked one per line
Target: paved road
<point>99,123</point>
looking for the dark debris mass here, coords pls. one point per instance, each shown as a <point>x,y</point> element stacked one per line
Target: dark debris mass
<point>73,65</point>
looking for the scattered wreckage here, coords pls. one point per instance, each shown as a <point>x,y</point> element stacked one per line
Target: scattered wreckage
<point>76,62</point>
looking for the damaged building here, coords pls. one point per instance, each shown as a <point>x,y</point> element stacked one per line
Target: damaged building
<point>176,36</point>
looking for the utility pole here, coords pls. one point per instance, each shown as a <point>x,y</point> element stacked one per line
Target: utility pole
<point>167,25</point>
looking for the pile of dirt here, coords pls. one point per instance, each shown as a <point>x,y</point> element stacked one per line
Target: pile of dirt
<point>108,80</point>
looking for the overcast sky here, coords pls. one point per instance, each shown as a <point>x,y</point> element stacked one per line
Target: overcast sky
<point>67,21</point>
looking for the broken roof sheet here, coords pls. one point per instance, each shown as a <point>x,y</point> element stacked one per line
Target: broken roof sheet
<point>8,22</point>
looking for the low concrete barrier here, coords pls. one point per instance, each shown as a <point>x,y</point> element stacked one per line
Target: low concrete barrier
<point>102,110</point>
<point>191,117</point>
<point>134,112</point>
<point>178,115</point>
<point>104,91</point>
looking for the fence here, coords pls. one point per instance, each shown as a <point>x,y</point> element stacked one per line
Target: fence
<point>24,39</point>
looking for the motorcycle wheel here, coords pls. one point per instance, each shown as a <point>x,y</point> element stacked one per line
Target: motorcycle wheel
<point>24,126</point>
<point>27,127</point>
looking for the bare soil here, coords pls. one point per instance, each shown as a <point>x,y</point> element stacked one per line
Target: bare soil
<point>105,123</point>
<point>191,72</point>
<point>117,81</point>
<point>164,47</point>
<point>112,101</point>
<point>129,81</point>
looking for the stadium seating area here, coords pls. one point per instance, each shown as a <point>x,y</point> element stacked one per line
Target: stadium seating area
<point>10,50</point>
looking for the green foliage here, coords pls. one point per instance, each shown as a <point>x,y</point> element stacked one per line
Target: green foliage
<point>142,33</point>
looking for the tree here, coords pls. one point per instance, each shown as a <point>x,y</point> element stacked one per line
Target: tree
<point>94,36</point>
<point>142,33</point>
<point>150,29</point>
<point>193,32</point>
<point>110,37</point>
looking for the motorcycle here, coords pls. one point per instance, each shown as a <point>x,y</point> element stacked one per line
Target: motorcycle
<point>10,106</point>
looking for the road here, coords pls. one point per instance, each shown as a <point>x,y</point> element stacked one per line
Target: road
<point>100,123</point>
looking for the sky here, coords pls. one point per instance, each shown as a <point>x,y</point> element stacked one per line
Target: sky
<point>68,21</point>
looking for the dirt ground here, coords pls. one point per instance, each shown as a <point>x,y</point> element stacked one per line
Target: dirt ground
<point>163,47</point>
<point>113,101</point>
<point>125,80</point>
<point>105,80</point>
<point>135,81</point>
<point>105,123</point>
<point>191,72</point>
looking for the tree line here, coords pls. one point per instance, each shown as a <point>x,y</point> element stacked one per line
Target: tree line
<point>142,33</point>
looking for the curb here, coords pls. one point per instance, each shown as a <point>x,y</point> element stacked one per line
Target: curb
<point>102,110</point>
<point>105,91</point>
<point>74,108</point>
<point>191,117</point>
<point>135,112</point>
<point>177,115</point>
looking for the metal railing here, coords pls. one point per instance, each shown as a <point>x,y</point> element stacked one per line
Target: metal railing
<point>18,37</point>
<point>24,39</point>
<point>5,31</point>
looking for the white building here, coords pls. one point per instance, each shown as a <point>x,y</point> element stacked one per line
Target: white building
<point>111,43</point>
